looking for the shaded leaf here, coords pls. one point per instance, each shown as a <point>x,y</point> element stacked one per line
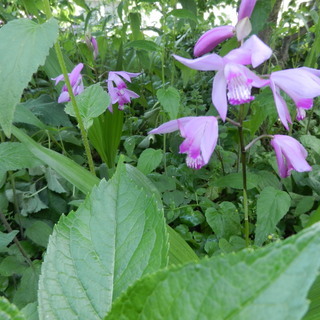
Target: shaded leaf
<point>149,160</point>
<point>170,101</point>
<point>24,46</point>
<point>272,205</point>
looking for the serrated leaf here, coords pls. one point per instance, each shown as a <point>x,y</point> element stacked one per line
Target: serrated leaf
<point>180,252</point>
<point>24,46</point>
<point>170,101</point>
<point>9,311</point>
<point>10,155</point>
<point>272,205</point>
<point>269,283</point>
<point>24,115</point>
<point>94,254</point>
<point>224,221</point>
<point>92,102</point>
<point>149,160</point>
<point>146,45</point>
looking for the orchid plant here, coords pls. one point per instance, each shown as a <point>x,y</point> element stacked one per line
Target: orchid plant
<point>232,84</point>
<point>139,233</point>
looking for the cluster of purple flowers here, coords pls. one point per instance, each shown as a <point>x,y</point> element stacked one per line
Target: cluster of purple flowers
<point>117,88</point>
<point>233,83</point>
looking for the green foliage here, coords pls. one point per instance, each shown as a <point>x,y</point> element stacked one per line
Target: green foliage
<point>272,205</point>
<point>91,103</point>
<point>9,311</point>
<point>24,46</point>
<point>110,234</point>
<point>149,160</point>
<point>170,101</point>
<point>260,284</point>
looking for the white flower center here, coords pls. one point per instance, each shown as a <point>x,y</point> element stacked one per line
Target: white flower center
<point>239,89</point>
<point>195,163</point>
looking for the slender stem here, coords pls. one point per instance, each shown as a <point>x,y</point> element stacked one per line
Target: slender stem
<point>72,97</point>
<point>248,146</point>
<point>235,123</point>
<point>15,239</point>
<point>244,177</point>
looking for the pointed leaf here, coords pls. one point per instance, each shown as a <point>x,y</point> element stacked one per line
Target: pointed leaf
<point>272,205</point>
<point>170,101</point>
<point>24,46</point>
<point>269,283</point>
<point>94,254</point>
<point>91,103</point>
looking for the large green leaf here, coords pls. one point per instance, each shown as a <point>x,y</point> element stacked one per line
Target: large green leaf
<point>180,252</point>
<point>94,254</point>
<point>272,205</point>
<point>269,283</point>
<point>9,311</point>
<point>91,103</point>
<point>314,296</point>
<point>24,46</point>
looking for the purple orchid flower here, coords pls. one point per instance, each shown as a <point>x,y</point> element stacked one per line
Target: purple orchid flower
<point>75,79</point>
<point>94,44</point>
<point>210,39</point>
<point>233,80</point>
<point>118,89</point>
<point>201,135</point>
<point>301,85</point>
<point>291,155</point>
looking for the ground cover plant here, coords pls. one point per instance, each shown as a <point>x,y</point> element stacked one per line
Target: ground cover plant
<point>164,169</point>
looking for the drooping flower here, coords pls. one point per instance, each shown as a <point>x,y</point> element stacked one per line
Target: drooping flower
<point>210,39</point>
<point>291,155</point>
<point>118,90</point>
<point>233,80</point>
<point>301,85</point>
<point>94,44</point>
<point>200,133</point>
<point>75,79</point>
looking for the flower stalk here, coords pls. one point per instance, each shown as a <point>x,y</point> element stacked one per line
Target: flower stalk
<point>244,177</point>
<point>63,67</point>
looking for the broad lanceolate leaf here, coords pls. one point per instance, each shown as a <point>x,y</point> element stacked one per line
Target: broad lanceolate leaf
<point>170,101</point>
<point>92,102</point>
<point>94,254</point>
<point>269,283</point>
<point>272,205</point>
<point>65,167</point>
<point>24,46</point>
<point>9,311</point>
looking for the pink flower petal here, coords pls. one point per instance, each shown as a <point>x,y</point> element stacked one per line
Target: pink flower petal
<point>210,39</point>
<point>206,63</point>
<point>219,94</point>
<point>246,8</point>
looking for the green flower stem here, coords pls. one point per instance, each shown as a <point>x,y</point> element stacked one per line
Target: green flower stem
<point>244,177</point>
<point>248,146</point>
<point>72,97</point>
